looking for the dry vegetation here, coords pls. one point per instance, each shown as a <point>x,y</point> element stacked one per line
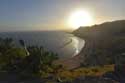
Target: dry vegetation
<point>89,71</point>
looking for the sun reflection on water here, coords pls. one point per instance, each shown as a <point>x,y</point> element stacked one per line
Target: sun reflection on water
<point>77,44</point>
<point>72,47</point>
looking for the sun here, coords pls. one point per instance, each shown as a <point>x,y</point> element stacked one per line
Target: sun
<point>80,18</point>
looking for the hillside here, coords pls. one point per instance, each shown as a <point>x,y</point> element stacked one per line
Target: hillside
<point>105,43</point>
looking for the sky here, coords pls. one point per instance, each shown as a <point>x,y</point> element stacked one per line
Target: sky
<point>53,14</point>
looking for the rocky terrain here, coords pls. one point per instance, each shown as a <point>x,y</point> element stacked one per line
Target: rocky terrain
<point>13,78</point>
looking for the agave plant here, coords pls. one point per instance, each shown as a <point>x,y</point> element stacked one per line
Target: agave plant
<point>22,43</point>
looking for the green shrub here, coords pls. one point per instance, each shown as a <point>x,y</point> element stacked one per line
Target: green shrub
<point>31,60</point>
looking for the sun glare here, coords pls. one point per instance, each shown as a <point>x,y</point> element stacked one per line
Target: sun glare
<point>80,18</point>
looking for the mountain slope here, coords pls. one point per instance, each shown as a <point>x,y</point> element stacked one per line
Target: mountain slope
<point>104,43</point>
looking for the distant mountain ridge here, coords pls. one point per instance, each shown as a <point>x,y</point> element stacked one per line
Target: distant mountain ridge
<point>104,42</point>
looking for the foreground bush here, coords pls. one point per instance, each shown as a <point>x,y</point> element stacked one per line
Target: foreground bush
<point>31,60</point>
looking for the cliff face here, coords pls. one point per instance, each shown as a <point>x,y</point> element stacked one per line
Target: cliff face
<point>104,43</point>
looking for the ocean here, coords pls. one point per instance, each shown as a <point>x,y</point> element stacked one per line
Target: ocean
<point>66,45</point>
